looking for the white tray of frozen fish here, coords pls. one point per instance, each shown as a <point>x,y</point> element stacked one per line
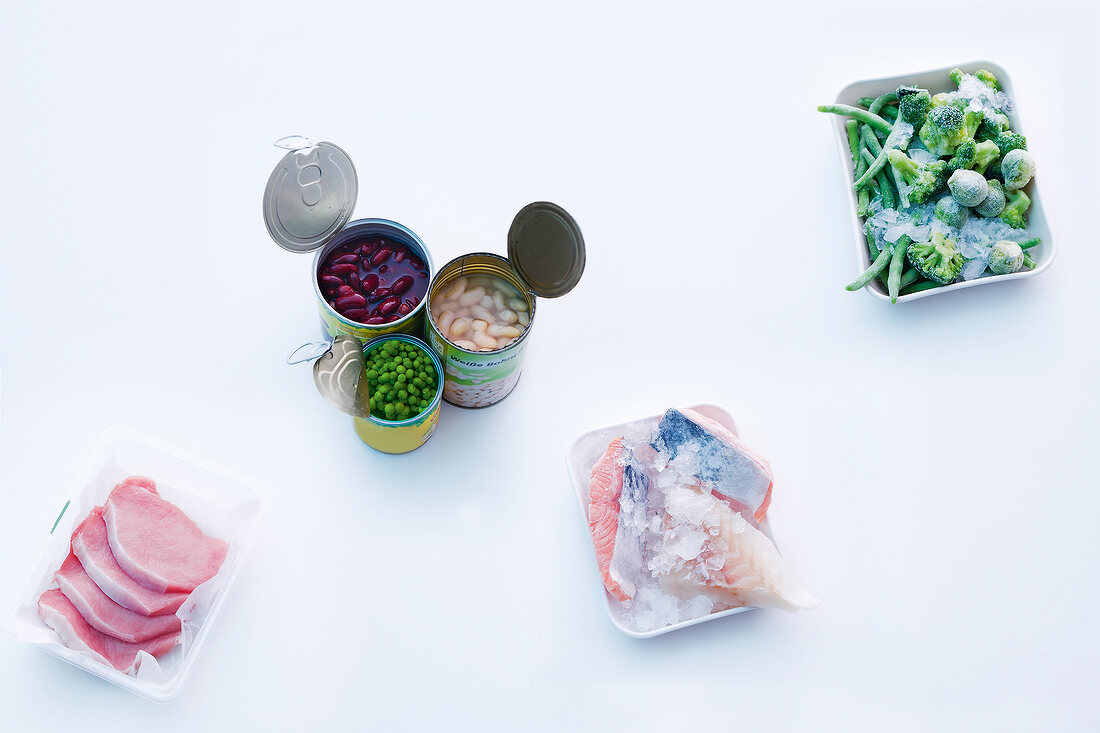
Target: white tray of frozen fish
<point>676,506</point>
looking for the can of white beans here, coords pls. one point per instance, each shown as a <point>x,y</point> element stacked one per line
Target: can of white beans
<point>481,306</point>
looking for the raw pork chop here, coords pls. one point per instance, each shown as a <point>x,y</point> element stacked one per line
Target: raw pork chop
<point>90,546</point>
<point>105,615</point>
<point>617,517</point>
<point>157,544</point>
<point>726,465</point>
<point>63,617</point>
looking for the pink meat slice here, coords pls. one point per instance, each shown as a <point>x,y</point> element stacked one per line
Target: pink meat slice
<point>604,489</point>
<point>105,615</point>
<point>157,544</point>
<point>143,481</point>
<point>59,613</point>
<point>89,544</point>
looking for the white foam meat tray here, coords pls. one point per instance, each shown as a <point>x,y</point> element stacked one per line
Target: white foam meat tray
<point>222,502</point>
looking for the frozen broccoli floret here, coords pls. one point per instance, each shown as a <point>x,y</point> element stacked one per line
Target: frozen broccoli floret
<point>993,124</point>
<point>968,188</point>
<point>951,212</point>
<point>1006,257</point>
<point>924,179</point>
<point>972,118</point>
<point>987,77</point>
<point>985,153</point>
<point>944,130</point>
<point>913,105</point>
<point>1017,167</point>
<point>938,260</point>
<point>994,201</point>
<point>963,157</point>
<point>1013,213</point>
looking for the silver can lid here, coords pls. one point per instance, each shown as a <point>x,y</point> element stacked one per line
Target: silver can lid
<point>310,195</point>
<point>546,249</point>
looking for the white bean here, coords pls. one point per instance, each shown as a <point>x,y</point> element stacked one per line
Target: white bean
<point>464,344</point>
<point>479,325</point>
<point>487,301</point>
<point>508,316</point>
<point>524,318</point>
<point>496,330</point>
<point>483,313</point>
<point>518,304</point>
<point>458,287</point>
<point>460,326</point>
<point>484,340</point>
<point>498,301</point>
<point>446,318</point>
<point>472,296</point>
<point>511,332</point>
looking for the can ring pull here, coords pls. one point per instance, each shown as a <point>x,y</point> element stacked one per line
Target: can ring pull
<point>293,142</point>
<point>309,352</point>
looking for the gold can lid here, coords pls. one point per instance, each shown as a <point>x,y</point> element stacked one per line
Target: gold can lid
<point>546,249</point>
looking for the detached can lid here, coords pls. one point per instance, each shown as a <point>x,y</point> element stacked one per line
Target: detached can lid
<point>310,195</point>
<point>546,249</point>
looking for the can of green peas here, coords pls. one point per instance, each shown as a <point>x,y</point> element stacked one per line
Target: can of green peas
<point>481,306</point>
<point>400,394</point>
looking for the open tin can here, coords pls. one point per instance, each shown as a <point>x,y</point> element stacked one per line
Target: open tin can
<point>379,285</point>
<point>342,377</point>
<point>481,306</point>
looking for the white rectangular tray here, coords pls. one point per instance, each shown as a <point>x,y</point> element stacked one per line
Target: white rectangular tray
<point>584,453</point>
<point>223,504</point>
<point>938,80</point>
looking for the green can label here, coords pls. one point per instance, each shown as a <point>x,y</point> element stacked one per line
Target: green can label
<point>477,380</point>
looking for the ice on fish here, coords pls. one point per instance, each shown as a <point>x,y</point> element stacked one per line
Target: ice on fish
<point>737,566</point>
<point>725,465</point>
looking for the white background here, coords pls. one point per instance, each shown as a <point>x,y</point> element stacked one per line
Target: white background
<point>934,462</point>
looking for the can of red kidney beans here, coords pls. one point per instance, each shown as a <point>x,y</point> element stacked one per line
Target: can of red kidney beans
<point>383,245</point>
<point>370,276</point>
<point>481,306</point>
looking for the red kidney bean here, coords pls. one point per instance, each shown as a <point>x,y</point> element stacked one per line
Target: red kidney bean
<point>330,280</point>
<point>415,263</point>
<point>354,282</point>
<point>344,270</point>
<point>369,283</point>
<point>404,309</point>
<point>387,306</point>
<point>380,256</point>
<point>424,275</point>
<point>357,314</point>
<point>413,301</point>
<point>375,320</point>
<point>355,300</point>
<point>392,318</point>
<point>348,259</point>
<point>399,255</point>
<point>344,290</point>
<point>383,268</point>
<point>381,293</point>
<point>402,284</point>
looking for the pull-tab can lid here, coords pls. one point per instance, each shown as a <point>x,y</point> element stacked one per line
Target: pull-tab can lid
<point>341,378</point>
<point>310,195</point>
<point>546,249</point>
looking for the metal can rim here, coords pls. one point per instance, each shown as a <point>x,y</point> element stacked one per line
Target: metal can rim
<point>428,297</point>
<point>334,242</point>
